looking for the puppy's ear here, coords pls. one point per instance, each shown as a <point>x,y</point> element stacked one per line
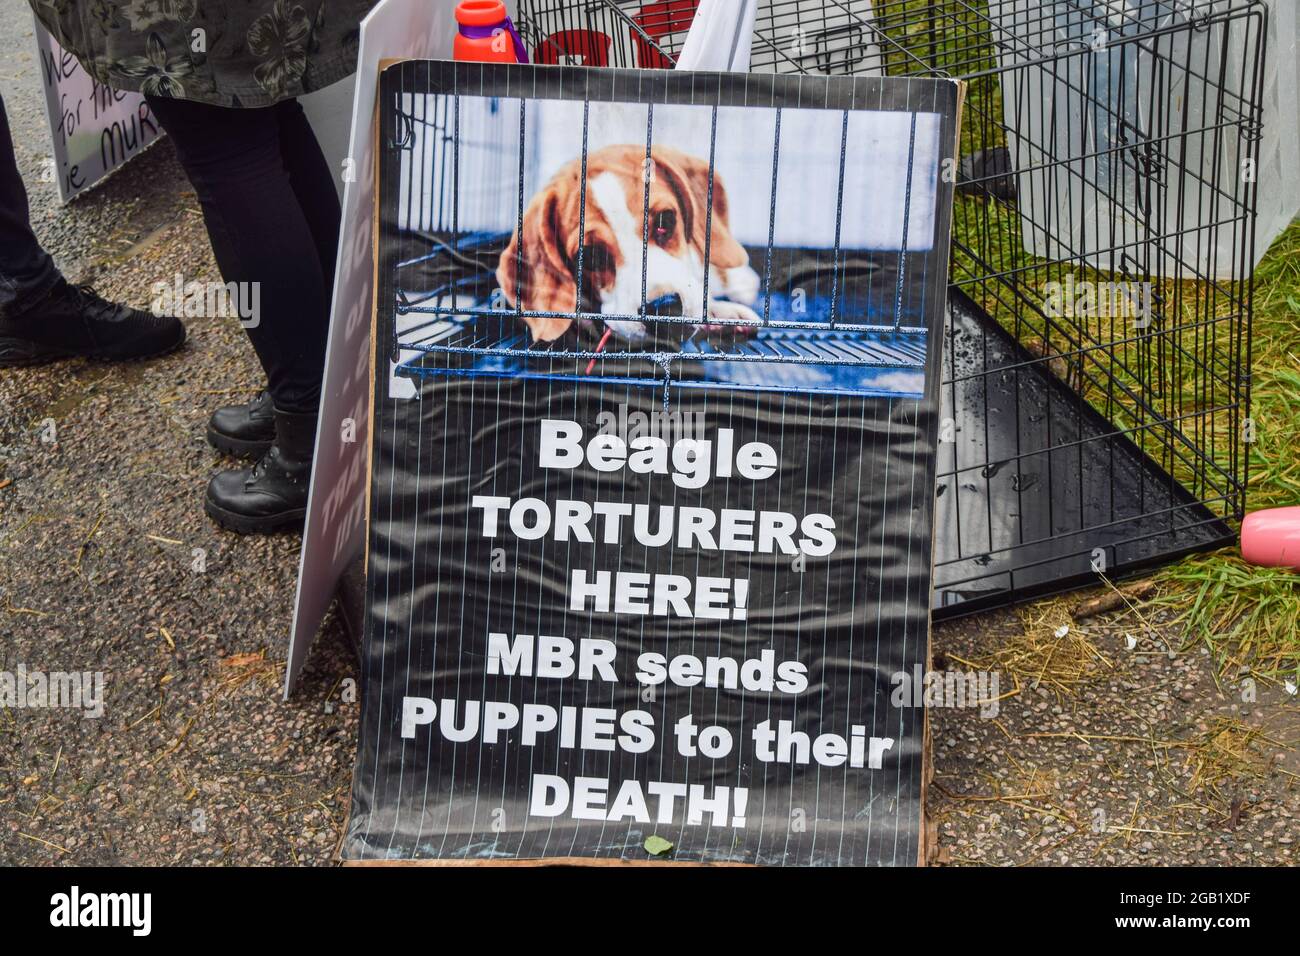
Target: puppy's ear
<point>688,177</point>
<point>533,271</point>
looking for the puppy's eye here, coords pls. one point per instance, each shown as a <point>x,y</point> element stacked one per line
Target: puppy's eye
<point>662,225</point>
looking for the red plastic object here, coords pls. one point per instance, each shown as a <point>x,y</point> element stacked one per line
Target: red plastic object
<point>591,46</point>
<point>656,21</point>
<point>484,33</point>
<point>1272,538</point>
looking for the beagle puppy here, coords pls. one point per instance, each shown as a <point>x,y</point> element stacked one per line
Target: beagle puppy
<point>539,267</point>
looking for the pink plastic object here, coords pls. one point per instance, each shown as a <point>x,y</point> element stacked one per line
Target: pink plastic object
<point>1272,538</point>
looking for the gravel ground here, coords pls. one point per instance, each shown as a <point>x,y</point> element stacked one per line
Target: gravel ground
<point>107,563</point>
<point>1107,774</point>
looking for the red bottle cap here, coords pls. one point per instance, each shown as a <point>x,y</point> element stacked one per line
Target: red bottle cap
<point>480,13</point>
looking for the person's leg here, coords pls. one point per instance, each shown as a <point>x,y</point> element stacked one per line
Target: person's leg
<point>248,429</point>
<point>260,234</point>
<point>42,316</point>
<point>26,270</point>
<point>313,183</point>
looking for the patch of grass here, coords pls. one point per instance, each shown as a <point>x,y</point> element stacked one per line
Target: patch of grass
<point>1275,367</point>
<point>1246,616</point>
<point>1250,616</point>
<point>1050,651</point>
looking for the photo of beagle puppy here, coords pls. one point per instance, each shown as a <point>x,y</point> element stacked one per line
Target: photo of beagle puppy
<point>634,264</point>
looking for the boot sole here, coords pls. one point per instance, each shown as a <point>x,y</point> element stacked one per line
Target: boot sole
<point>24,353</point>
<point>21,353</point>
<point>239,447</point>
<point>243,524</point>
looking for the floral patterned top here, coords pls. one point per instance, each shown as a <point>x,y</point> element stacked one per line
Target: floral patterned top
<point>247,53</point>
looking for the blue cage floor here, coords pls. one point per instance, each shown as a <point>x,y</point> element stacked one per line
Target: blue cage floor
<point>450,326</point>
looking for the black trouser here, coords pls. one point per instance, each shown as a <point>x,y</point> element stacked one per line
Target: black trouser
<point>272,214</point>
<point>26,270</point>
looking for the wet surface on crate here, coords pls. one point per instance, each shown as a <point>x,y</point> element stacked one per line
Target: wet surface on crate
<point>1036,490</point>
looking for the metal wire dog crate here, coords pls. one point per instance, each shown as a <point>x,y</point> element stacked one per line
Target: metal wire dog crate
<point>1096,358</point>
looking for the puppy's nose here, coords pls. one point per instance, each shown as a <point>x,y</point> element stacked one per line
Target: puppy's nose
<point>665,305</point>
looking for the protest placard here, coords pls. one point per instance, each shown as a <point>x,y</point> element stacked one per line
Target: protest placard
<point>652,480</point>
<point>94,128</point>
<point>334,531</point>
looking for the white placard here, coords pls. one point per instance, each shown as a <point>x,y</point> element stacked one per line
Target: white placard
<point>720,36</point>
<point>94,129</point>
<point>335,532</point>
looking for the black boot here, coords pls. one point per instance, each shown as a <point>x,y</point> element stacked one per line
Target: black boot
<point>246,429</point>
<point>271,495</point>
<point>70,321</point>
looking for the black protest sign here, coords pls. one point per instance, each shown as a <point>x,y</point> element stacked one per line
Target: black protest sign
<point>653,465</point>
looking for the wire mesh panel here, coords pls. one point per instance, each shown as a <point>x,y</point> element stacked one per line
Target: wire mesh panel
<point>1106,222</point>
